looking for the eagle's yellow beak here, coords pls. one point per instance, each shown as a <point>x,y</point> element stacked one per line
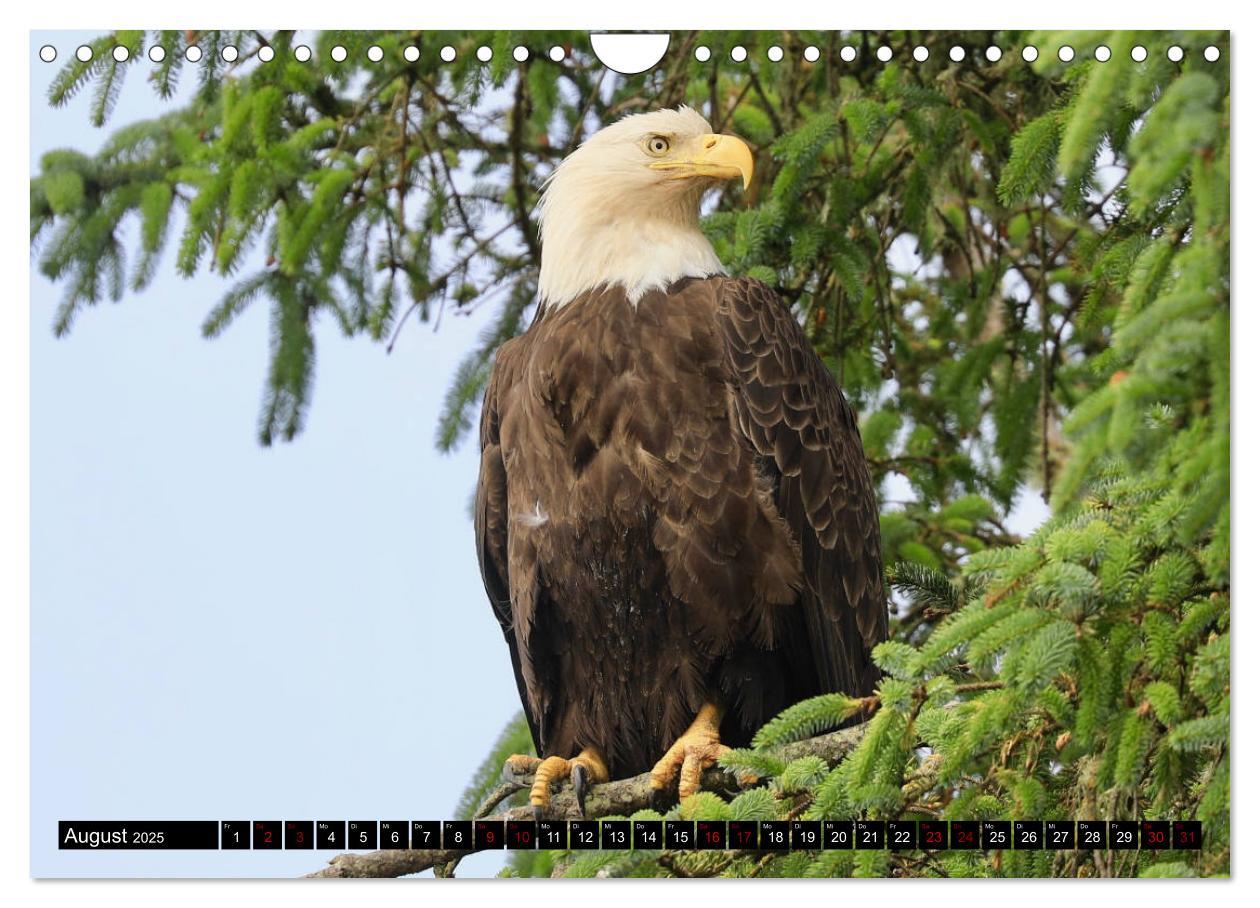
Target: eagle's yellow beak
<point>721,157</point>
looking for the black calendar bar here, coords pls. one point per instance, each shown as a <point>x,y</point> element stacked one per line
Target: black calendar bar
<point>235,834</point>
<point>457,834</point>
<point>901,835</point>
<point>426,834</point>
<point>933,835</point>
<point>615,835</point>
<point>553,834</point>
<point>584,835</point>
<point>394,835</point>
<point>1060,835</point>
<point>643,835</point>
<point>1156,835</point>
<point>648,835</point>
<point>299,835</point>
<point>742,835</point>
<point>711,834</point>
<point>362,835</point>
<point>838,834</point>
<point>869,835</point>
<point>522,835</point>
<point>489,835</point>
<point>1030,835</point>
<point>1187,834</point>
<point>964,835</point>
<point>329,835</point>
<point>139,835</point>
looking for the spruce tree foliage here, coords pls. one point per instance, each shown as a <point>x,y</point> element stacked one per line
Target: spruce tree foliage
<point>1019,272</point>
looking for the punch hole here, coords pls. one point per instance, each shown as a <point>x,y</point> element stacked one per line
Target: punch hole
<point>375,54</point>
<point>812,54</point>
<point>447,53</point>
<point>921,54</point>
<point>993,53</point>
<point>520,53</point>
<point>1102,53</point>
<point>1211,53</point>
<point>229,54</point>
<point>339,54</point>
<point>48,53</point>
<point>192,53</point>
<point>1138,53</point>
<point>1029,53</point>
<point>703,54</point>
<point>739,53</point>
<point>484,54</point>
<point>266,53</point>
<point>629,54</point>
<point>883,53</point>
<point>83,54</point>
<point>848,54</point>
<point>774,53</point>
<point>302,53</point>
<point>1066,54</point>
<point>411,53</point>
<point>1176,54</point>
<point>557,54</point>
<point>957,54</point>
<point>121,54</point>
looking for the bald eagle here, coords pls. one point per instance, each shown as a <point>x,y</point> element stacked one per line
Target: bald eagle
<point>675,522</point>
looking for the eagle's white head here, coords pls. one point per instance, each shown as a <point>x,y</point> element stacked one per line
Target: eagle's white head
<point>624,208</point>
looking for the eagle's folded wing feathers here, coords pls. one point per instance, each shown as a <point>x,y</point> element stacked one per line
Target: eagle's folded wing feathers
<point>790,408</point>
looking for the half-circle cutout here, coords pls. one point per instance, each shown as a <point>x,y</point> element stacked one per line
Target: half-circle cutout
<point>629,53</point>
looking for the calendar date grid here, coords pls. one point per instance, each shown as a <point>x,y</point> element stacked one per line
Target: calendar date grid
<point>924,835</point>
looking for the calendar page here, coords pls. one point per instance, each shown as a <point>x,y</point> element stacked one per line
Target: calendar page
<point>675,454</point>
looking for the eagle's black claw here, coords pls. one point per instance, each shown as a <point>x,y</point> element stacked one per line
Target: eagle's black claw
<point>539,813</point>
<point>580,776</point>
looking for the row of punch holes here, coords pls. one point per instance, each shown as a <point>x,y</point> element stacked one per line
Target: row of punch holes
<point>738,53</point>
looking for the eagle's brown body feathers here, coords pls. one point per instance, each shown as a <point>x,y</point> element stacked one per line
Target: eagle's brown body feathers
<point>674,508</point>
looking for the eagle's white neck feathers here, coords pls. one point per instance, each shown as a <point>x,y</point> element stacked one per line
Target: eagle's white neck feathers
<point>607,219</point>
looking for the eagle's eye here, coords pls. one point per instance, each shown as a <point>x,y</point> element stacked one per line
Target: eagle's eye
<point>657,145</point>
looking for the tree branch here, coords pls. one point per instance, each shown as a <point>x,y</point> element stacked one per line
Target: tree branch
<point>618,798</point>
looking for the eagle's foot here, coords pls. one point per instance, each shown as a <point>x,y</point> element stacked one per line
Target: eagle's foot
<point>519,769</point>
<point>584,770</point>
<point>689,756</point>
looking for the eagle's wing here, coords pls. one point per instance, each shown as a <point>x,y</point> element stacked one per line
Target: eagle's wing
<point>490,520</point>
<point>788,405</point>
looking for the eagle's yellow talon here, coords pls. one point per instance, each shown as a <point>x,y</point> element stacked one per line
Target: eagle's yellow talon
<point>587,768</point>
<point>517,766</point>
<point>550,770</point>
<point>693,753</point>
<point>698,759</point>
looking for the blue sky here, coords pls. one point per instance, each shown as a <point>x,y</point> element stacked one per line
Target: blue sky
<point>224,631</point>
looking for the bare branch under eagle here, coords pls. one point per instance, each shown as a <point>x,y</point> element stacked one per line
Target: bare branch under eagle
<point>621,797</point>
